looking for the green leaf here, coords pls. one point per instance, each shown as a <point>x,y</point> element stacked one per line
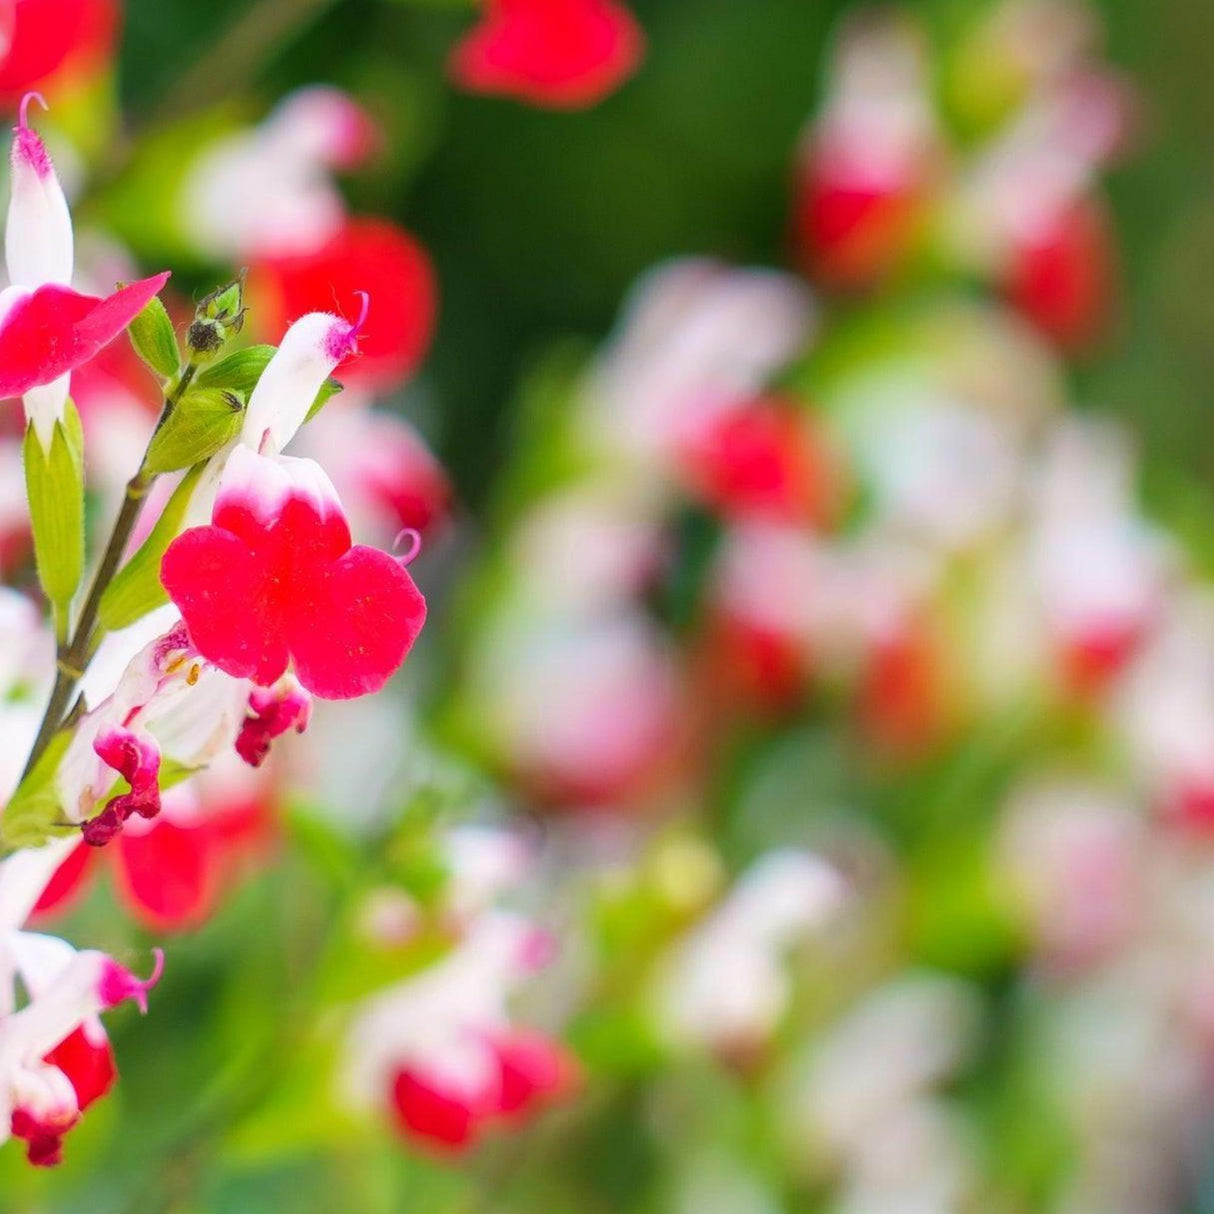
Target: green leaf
<point>155,340</point>
<point>136,589</point>
<point>329,389</point>
<point>54,483</point>
<point>33,814</point>
<point>200,423</point>
<point>240,371</point>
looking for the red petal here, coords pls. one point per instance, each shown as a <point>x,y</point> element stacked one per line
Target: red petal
<point>224,593</point>
<point>54,329</point>
<point>166,876</point>
<point>351,624</point>
<point>533,1069</point>
<point>66,884</point>
<point>423,1110</point>
<point>1065,281</point>
<point>50,35</point>
<point>564,53</point>
<point>89,1066</point>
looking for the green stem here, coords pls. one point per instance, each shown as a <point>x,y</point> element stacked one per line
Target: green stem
<point>74,655</point>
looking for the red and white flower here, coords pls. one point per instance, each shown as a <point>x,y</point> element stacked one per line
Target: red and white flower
<point>47,329</point>
<point>55,1059</point>
<point>725,987</point>
<point>171,871</point>
<point>286,163</point>
<point>275,580</point>
<point>439,1053</point>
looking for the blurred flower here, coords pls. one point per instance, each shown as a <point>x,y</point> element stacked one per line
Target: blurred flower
<point>565,54</point>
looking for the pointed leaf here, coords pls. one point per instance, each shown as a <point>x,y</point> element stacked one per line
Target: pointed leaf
<point>54,482</point>
<point>136,589</point>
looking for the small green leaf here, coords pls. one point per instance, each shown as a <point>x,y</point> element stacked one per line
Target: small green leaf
<point>34,813</point>
<point>54,482</point>
<point>136,589</point>
<point>199,424</point>
<point>240,372</point>
<point>329,389</point>
<point>154,339</point>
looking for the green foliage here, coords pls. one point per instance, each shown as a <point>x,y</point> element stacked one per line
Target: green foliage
<point>240,371</point>
<point>54,482</point>
<point>155,340</point>
<point>34,814</point>
<point>136,588</point>
<point>203,421</point>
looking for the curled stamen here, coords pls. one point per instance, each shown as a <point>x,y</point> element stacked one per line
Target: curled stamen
<point>23,110</point>
<point>415,544</point>
<point>356,328</point>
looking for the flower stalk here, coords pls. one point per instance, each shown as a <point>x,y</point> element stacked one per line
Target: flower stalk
<point>74,654</point>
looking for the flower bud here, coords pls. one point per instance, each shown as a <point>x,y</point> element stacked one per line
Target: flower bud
<point>219,316</point>
<point>311,349</point>
<point>38,235</point>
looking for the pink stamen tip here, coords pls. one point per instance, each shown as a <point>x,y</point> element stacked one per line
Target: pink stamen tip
<point>23,111</point>
<point>415,544</point>
<point>356,328</point>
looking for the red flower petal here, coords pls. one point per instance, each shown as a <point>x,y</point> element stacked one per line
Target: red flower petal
<point>369,613</point>
<point>67,883</point>
<point>560,53</point>
<point>54,329</point>
<point>369,255</point>
<point>89,1065</point>
<point>533,1069</point>
<point>222,588</point>
<point>422,1109</point>
<point>166,876</point>
<point>1065,280</point>
<point>54,35</point>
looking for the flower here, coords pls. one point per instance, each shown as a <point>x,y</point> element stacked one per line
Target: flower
<point>364,254</point>
<point>763,459</point>
<point>47,330</point>
<point>276,579</point>
<point>286,164</point>
<point>170,871</point>
<point>166,700</point>
<point>55,1058</point>
<point>565,54</point>
<point>724,986</point>
<point>439,1053</point>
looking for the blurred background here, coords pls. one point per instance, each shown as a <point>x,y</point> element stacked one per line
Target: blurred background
<point>803,797</point>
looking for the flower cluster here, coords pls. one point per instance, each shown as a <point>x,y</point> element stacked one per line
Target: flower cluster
<point>218,607</point>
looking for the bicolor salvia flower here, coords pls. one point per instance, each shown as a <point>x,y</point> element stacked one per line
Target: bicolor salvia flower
<point>439,1052</point>
<point>47,329</point>
<point>55,1058</point>
<point>166,701</point>
<point>275,580</point>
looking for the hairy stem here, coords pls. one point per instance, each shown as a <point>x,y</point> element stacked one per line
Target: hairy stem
<point>74,655</point>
